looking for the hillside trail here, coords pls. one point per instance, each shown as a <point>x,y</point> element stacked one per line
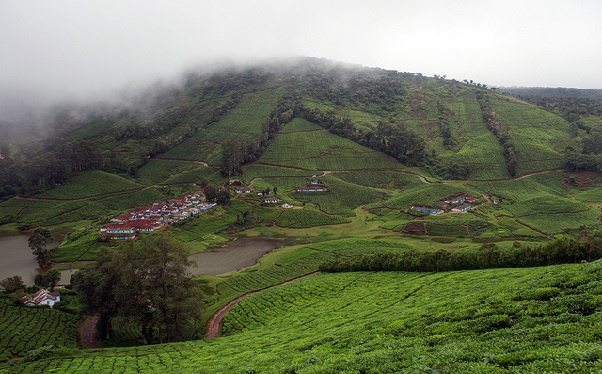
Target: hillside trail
<point>214,324</point>
<point>87,333</point>
<point>180,159</point>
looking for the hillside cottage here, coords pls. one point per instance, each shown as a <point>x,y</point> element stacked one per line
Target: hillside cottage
<point>311,189</point>
<point>43,297</point>
<point>241,190</point>
<point>272,200</point>
<point>423,209</point>
<point>462,208</point>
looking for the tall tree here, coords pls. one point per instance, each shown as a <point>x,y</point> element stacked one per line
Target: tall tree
<point>149,283</point>
<point>12,284</point>
<point>38,242</point>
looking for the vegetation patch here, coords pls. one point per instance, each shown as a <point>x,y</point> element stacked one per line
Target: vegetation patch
<point>28,328</point>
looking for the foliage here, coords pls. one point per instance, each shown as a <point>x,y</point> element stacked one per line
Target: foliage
<point>38,242</point>
<point>28,328</point>
<point>497,320</point>
<point>295,218</point>
<point>218,194</point>
<point>12,284</point>
<point>586,247</point>
<point>500,130</point>
<point>147,282</point>
<point>49,278</point>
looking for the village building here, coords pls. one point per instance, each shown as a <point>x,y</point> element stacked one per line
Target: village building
<point>424,209</point>
<point>460,198</point>
<point>241,190</point>
<point>272,200</point>
<point>442,204</point>
<point>286,206</point>
<point>462,208</point>
<point>312,189</point>
<point>152,217</point>
<point>43,297</point>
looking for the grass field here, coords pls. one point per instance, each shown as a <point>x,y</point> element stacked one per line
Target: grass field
<point>244,121</point>
<point>164,171</point>
<point>495,321</point>
<point>342,197</point>
<point>321,150</point>
<point>297,218</point>
<point>541,202</point>
<point>91,183</point>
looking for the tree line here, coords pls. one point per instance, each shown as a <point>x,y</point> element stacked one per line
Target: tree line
<point>500,130</point>
<point>236,153</point>
<point>585,247</point>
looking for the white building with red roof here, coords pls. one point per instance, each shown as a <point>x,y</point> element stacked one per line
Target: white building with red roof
<point>43,297</point>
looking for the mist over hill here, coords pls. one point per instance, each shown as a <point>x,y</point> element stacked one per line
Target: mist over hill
<point>420,121</point>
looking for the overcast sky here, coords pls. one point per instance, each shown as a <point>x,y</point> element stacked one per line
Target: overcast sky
<point>78,48</point>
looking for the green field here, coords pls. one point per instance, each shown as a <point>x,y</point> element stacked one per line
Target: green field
<point>164,171</point>
<point>321,150</point>
<point>28,328</point>
<point>89,184</point>
<point>243,122</point>
<point>495,321</point>
<point>296,218</point>
<point>540,136</point>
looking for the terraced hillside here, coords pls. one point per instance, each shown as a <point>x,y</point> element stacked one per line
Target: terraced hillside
<point>385,149</point>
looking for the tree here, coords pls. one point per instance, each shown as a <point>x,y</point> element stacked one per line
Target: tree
<point>218,194</point>
<point>12,284</point>
<point>48,279</point>
<point>38,242</point>
<point>147,282</point>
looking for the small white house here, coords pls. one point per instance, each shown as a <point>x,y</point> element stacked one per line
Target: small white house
<point>272,200</point>
<point>43,297</point>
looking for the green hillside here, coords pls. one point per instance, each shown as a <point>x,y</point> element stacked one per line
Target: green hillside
<point>381,149</point>
<point>494,321</point>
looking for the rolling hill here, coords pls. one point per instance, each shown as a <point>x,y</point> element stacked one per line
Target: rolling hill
<point>385,147</point>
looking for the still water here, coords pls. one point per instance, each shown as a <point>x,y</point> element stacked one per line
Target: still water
<point>16,258</point>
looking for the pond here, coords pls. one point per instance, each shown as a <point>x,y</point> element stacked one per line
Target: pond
<point>238,254</point>
<point>17,259</point>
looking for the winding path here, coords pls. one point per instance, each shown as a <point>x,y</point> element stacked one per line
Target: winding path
<point>214,324</point>
<point>87,333</point>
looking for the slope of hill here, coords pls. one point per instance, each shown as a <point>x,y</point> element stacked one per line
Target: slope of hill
<point>385,148</point>
<point>494,321</point>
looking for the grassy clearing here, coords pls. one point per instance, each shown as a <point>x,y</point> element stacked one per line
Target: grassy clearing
<point>541,203</point>
<point>498,320</point>
<point>243,122</point>
<point>296,218</point>
<point>47,213</point>
<point>172,172</point>
<point>540,136</point>
<point>321,150</point>
<point>342,197</point>
<point>91,183</point>
<point>300,125</point>
<point>381,179</point>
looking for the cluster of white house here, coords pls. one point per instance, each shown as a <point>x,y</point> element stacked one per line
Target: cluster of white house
<point>153,217</point>
<point>457,203</point>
